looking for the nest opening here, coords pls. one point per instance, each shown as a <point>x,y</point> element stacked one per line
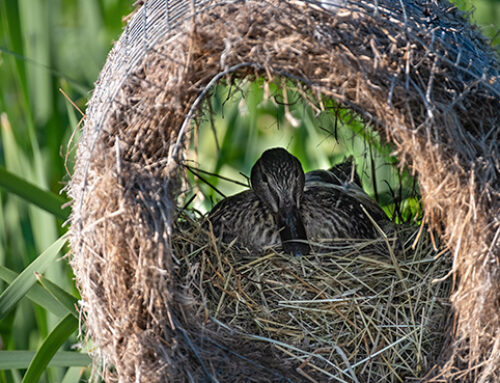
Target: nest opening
<point>361,310</point>
<point>224,142</point>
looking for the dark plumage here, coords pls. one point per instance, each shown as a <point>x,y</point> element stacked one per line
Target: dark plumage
<point>285,206</point>
<point>341,174</point>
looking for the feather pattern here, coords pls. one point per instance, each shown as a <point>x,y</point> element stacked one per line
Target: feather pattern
<point>329,204</point>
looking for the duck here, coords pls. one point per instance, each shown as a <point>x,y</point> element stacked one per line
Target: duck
<point>285,206</point>
<point>345,178</point>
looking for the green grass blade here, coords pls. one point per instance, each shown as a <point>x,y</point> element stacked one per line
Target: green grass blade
<point>10,360</point>
<point>11,21</point>
<point>20,286</point>
<point>36,294</point>
<point>45,200</point>
<point>66,299</point>
<point>35,17</point>
<point>48,349</point>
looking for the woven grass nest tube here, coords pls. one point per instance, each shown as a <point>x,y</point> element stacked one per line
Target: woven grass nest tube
<point>157,310</point>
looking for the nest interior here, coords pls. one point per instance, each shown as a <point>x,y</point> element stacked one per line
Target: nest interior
<point>414,70</point>
<point>356,310</point>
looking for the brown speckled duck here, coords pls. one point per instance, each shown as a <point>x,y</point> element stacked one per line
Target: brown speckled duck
<point>287,207</point>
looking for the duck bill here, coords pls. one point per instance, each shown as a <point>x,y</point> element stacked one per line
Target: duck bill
<point>292,231</point>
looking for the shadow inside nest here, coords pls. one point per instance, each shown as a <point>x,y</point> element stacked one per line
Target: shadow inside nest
<point>352,310</point>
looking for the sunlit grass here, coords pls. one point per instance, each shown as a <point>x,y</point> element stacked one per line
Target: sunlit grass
<point>44,47</point>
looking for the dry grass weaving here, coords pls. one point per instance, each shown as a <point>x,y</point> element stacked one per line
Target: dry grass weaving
<point>163,303</point>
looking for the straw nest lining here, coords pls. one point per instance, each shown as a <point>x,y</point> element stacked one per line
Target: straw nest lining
<point>415,71</point>
<point>358,310</point>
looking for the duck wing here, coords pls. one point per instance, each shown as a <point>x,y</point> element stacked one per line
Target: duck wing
<point>244,219</point>
<point>334,211</point>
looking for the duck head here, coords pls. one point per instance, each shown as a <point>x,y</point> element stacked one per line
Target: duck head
<point>278,181</point>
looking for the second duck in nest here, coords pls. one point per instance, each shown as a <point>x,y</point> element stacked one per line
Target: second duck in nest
<point>287,207</point>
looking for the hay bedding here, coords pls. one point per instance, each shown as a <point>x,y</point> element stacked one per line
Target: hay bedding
<point>414,70</point>
<point>360,311</point>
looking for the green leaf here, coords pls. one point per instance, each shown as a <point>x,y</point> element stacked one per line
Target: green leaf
<point>36,294</point>
<point>21,359</point>
<point>13,29</point>
<point>66,299</point>
<point>45,200</point>
<point>27,278</point>
<point>49,347</point>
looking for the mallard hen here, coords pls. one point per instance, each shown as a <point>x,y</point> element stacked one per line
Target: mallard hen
<point>285,206</point>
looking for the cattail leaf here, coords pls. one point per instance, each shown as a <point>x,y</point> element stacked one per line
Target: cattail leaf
<point>46,200</point>
<point>60,295</point>
<point>20,286</point>
<point>36,294</point>
<point>49,347</point>
<point>20,359</point>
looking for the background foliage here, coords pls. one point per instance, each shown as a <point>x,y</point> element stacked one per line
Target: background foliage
<point>51,52</point>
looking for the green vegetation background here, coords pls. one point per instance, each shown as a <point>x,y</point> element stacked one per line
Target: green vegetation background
<point>49,49</point>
